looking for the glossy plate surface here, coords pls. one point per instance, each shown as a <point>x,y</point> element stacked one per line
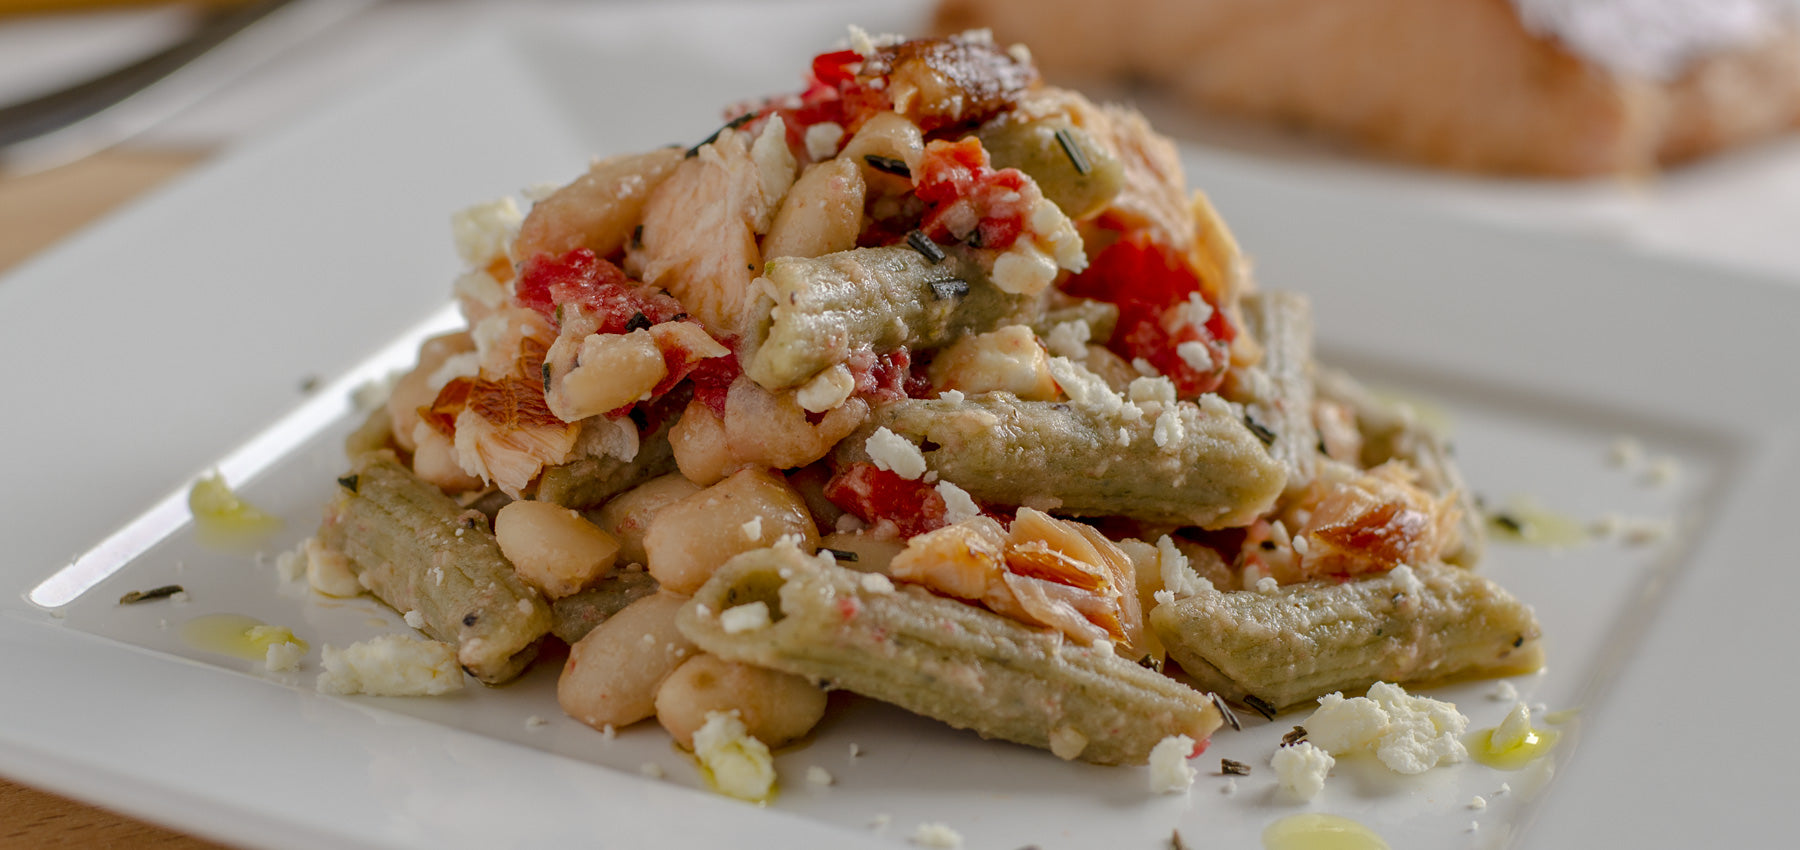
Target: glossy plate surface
<point>179,328</point>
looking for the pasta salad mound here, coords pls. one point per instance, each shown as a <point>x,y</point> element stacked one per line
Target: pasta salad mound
<point>930,382</point>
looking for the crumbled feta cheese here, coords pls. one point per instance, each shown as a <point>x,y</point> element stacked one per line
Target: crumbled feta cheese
<point>1478,802</point>
<point>1169,770</point>
<point>483,231</point>
<point>1178,576</point>
<point>652,770</point>
<point>1163,597</point>
<point>775,166</point>
<point>1195,355</point>
<point>827,390</point>
<point>391,665</point>
<point>952,396</point>
<point>1151,388</point>
<point>283,657</point>
<point>414,619</point>
<point>1195,311</point>
<point>877,583</point>
<point>744,618</point>
<point>1474,826</point>
<point>1267,584</point>
<point>752,529</point>
<point>895,453</point>
<point>822,140</point>
<point>1301,768</point>
<point>865,45</point>
<point>291,565</point>
<point>937,835</point>
<point>1019,53</point>
<point>1504,691</point>
<point>1229,788</point>
<point>1069,339</point>
<point>481,288</point>
<point>1504,789</point>
<point>1084,388</point>
<point>816,775</point>
<point>608,733</point>
<point>1023,269</point>
<point>1407,579</point>
<point>855,750</point>
<point>1143,367</point>
<point>740,765</point>
<point>1170,430</point>
<point>1124,437</point>
<point>1407,733</point>
<point>959,506</point>
<point>535,722</point>
<point>1301,547</point>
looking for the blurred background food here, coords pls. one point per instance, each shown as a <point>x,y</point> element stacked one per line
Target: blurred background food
<point>1543,87</point>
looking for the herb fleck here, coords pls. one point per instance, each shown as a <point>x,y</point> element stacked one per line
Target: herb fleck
<point>349,482</point>
<point>166,590</point>
<point>1261,431</point>
<point>888,165</point>
<point>733,124</point>
<point>942,290</point>
<point>1294,736</point>
<point>1227,767</point>
<point>1230,716</point>
<point>637,322</point>
<point>842,554</point>
<point>1077,157</point>
<point>1260,706</point>
<point>926,248</point>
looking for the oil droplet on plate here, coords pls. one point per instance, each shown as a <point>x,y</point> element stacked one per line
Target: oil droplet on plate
<point>221,518</point>
<point>1318,831</point>
<point>1511,756</point>
<point>236,635</point>
<point>1525,521</point>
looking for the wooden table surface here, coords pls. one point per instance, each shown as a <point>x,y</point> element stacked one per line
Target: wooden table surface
<point>36,211</point>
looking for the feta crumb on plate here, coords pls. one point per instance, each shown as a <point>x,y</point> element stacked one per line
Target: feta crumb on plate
<point>739,764</point>
<point>816,775</point>
<point>391,665</point>
<point>1407,733</point>
<point>1301,768</point>
<point>936,835</point>
<point>1169,770</point>
<point>283,657</point>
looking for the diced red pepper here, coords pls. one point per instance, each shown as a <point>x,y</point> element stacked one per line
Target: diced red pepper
<point>583,279</point>
<point>963,193</point>
<point>1148,282</point>
<point>875,495</point>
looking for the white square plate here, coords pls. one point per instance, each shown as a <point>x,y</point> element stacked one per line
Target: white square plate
<point>154,342</point>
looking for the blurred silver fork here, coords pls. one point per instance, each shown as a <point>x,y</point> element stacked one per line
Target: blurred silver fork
<point>95,114</point>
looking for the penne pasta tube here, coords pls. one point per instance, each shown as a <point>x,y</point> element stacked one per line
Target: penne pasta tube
<point>813,313</point>
<point>1302,641</point>
<point>418,550</point>
<point>941,658</point>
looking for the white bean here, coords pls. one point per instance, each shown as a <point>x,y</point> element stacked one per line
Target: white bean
<point>414,389</point>
<point>698,440</point>
<point>777,708</point>
<point>752,509</point>
<point>553,548</point>
<point>627,516</point>
<point>613,674</point>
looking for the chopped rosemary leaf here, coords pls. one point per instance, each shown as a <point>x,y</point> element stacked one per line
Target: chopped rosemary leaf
<point>544,371</point>
<point>951,288</point>
<point>927,248</point>
<point>637,322</point>
<point>733,124</point>
<point>1261,431</point>
<point>637,236</point>
<point>1231,718</point>
<point>1228,767</point>
<point>1175,842</point>
<point>1510,523</point>
<point>888,165</point>
<point>1077,157</point>
<point>1260,706</point>
<point>842,554</point>
<point>1294,736</point>
<point>147,595</point>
